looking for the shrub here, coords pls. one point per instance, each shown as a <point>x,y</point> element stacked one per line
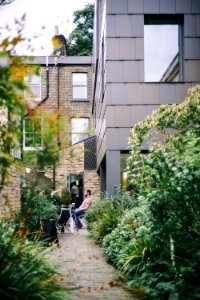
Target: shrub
<point>122,242</point>
<point>65,197</point>
<point>168,178</point>
<point>105,213</point>
<point>25,272</point>
<point>35,207</point>
<point>116,243</point>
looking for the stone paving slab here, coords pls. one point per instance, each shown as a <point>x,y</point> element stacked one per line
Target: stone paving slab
<point>85,270</point>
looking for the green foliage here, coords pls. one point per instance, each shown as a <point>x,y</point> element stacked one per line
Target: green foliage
<point>12,107</point>
<point>65,197</point>
<point>52,127</point>
<point>105,213</point>
<point>81,38</point>
<point>35,207</point>
<point>168,179</point>
<point>122,244</point>
<point>25,272</point>
<point>116,243</point>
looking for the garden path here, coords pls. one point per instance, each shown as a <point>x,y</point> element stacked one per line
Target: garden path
<point>85,270</point>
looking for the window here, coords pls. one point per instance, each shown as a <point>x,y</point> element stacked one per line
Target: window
<point>124,174</point>
<point>32,133</point>
<point>163,48</point>
<point>34,83</point>
<point>79,129</point>
<point>79,86</point>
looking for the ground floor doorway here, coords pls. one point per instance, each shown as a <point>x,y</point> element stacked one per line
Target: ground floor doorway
<point>75,184</point>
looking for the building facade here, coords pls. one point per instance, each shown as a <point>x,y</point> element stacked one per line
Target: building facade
<point>64,84</point>
<point>146,53</point>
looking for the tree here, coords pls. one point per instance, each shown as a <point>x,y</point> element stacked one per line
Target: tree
<point>80,39</point>
<point>12,87</point>
<point>4,2</point>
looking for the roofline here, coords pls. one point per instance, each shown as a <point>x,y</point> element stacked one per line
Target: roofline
<point>63,60</point>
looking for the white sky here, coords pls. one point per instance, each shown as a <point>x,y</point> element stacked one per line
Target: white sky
<point>41,18</point>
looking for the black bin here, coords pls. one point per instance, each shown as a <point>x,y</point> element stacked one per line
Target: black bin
<point>49,231</point>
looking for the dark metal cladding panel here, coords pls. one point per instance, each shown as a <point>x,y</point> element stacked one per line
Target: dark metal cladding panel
<point>90,153</point>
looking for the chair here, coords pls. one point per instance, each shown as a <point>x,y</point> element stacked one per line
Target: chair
<point>62,225</point>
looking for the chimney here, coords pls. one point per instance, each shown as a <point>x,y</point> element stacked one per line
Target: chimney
<point>59,42</point>
<point>56,30</point>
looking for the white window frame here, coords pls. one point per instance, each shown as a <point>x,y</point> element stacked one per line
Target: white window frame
<point>79,132</point>
<point>74,85</point>
<point>24,136</point>
<point>30,84</point>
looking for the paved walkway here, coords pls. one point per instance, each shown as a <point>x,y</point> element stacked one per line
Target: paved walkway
<point>84,267</point>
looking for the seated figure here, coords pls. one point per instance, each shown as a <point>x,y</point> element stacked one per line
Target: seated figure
<point>82,209</point>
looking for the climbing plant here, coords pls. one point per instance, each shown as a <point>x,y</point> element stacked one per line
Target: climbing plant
<point>167,178</point>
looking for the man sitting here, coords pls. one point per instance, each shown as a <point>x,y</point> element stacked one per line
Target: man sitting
<point>82,209</point>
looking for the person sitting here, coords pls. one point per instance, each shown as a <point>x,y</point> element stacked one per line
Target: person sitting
<point>82,209</point>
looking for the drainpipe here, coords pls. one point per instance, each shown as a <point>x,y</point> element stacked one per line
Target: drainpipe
<point>47,81</point>
<point>58,102</point>
<point>56,58</point>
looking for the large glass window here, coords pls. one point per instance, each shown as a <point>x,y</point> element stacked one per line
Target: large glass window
<point>32,133</point>
<point>79,129</point>
<point>79,86</point>
<point>162,49</point>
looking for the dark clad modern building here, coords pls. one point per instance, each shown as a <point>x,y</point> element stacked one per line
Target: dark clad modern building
<point>146,53</point>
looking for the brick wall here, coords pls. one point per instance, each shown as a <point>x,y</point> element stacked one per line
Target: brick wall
<point>71,158</point>
<point>92,182</point>
<point>70,108</point>
<point>72,161</point>
<point>10,195</point>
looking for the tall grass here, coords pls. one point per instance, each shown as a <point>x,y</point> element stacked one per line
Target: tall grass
<point>25,272</point>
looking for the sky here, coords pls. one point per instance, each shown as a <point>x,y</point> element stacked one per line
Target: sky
<point>159,51</point>
<point>41,18</point>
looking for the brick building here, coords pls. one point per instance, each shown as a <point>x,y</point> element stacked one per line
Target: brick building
<point>65,84</point>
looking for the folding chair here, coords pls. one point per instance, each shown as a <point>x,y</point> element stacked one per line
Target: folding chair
<point>81,220</point>
<point>62,224</point>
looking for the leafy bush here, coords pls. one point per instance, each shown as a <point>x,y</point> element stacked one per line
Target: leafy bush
<point>122,242</point>
<point>116,243</point>
<point>105,213</point>
<point>65,197</point>
<point>168,178</point>
<point>25,272</point>
<point>35,207</point>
